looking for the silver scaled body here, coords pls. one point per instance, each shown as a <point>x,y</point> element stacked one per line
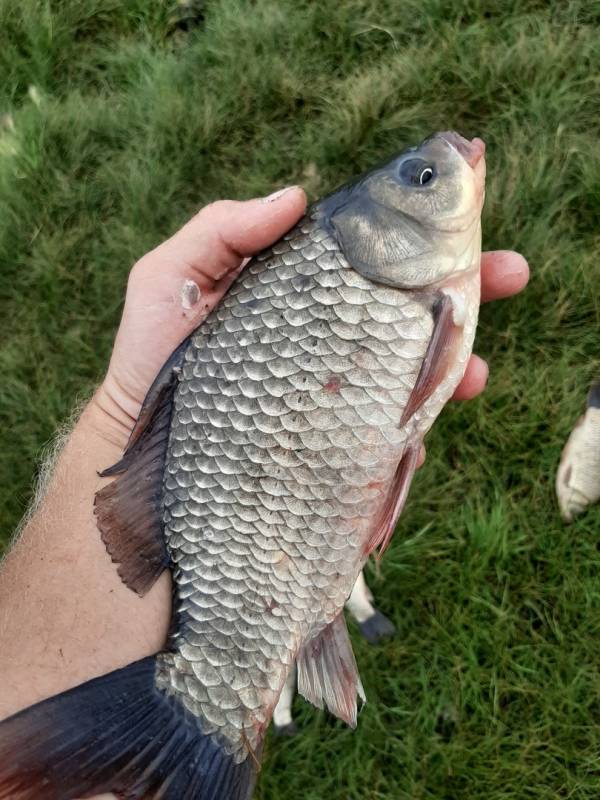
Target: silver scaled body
<point>284,441</point>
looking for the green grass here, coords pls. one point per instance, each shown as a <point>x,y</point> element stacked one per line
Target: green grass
<point>491,690</point>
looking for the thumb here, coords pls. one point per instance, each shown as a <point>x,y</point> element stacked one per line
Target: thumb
<point>222,234</point>
<point>172,288</point>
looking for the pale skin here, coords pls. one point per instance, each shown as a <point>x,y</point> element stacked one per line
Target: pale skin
<point>65,616</point>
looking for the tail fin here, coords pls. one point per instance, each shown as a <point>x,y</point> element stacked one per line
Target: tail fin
<point>121,734</point>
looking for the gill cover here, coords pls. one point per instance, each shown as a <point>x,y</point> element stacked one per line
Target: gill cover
<point>375,240</point>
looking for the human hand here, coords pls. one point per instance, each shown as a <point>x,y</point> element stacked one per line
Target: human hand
<point>172,288</point>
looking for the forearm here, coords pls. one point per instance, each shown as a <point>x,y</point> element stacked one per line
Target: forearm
<point>65,615</point>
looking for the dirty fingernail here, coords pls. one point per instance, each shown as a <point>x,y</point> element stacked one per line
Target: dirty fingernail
<point>276,195</point>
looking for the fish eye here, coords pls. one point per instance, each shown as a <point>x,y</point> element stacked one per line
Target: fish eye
<point>416,172</point>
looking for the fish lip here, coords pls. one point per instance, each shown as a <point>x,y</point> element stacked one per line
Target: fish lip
<point>472,151</point>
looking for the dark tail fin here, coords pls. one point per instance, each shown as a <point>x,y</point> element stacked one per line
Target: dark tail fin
<point>593,398</point>
<point>121,734</point>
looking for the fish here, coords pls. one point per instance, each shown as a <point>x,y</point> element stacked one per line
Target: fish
<point>272,456</point>
<point>578,475</point>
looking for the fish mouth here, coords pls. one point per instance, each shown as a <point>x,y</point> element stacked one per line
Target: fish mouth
<point>472,151</point>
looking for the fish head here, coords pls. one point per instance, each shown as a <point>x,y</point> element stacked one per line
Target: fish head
<point>415,221</point>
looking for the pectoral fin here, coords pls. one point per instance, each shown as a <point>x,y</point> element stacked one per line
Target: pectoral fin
<point>438,357</point>
<point>129,510</point>
<point>327,672</point>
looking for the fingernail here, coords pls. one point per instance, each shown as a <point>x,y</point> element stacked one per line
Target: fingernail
<point>276,195</point>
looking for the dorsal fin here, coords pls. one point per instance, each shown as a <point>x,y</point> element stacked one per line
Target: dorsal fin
<point>327,671</point>
<point>129,510</point>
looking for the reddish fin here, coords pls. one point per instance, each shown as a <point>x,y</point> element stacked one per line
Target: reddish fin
<point>394,502</point>
<point>437,358</point>
<point>129,510</point>
<point>327,672</point>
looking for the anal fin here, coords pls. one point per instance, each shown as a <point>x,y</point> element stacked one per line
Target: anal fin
<point>129,510</point>
<point>327,672</point>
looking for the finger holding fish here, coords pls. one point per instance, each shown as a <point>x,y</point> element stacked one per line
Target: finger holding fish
<point>504,273</point>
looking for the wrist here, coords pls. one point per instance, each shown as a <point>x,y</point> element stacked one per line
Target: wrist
<point>109,417</point>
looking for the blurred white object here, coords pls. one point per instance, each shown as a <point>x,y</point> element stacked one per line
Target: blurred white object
<point>578,476</point>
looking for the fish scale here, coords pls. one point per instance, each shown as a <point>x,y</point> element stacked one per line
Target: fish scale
<point>296,381</point>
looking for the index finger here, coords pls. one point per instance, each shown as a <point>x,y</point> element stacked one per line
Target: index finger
<point>503,273</point>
